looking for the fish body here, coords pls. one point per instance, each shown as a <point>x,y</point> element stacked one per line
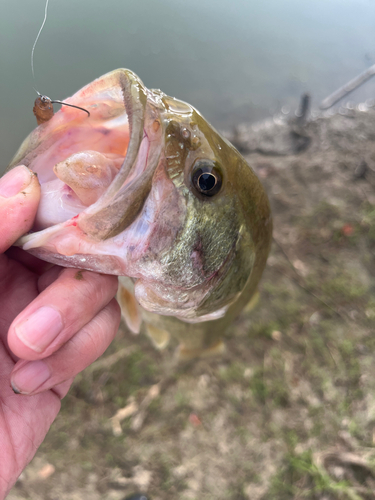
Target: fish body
<point>146,189</point>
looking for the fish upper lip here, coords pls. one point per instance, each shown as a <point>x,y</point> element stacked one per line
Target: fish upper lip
<point>119,205</point>
<point>95,220</point>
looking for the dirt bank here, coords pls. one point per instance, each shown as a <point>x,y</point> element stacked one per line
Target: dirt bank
<point>289,410</point>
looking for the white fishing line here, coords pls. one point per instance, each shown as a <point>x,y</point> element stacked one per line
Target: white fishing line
<point>44,98</point>
<point>36,39</point>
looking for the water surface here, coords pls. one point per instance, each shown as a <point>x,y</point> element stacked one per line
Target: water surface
<point>235,60</point>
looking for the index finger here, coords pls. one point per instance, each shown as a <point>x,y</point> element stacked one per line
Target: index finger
<point>59,312</point>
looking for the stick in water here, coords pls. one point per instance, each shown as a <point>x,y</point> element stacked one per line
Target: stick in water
<point>347,88</point>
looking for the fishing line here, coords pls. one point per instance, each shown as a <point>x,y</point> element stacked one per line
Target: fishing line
<point>36,39</point>
<point>42,103</point>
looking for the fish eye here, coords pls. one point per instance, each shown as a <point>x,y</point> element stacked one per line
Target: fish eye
<point>206,177</point>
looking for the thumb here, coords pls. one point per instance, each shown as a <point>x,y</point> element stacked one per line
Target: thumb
<point>19,199</point>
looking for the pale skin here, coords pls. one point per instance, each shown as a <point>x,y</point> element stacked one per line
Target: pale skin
<point>40,355</point>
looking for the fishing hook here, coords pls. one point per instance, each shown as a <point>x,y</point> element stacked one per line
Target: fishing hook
<point>43,109</point>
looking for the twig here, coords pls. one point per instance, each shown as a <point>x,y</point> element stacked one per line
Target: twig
<point>343,91</point>
<point>120,415</point>
<point>104,363</point>
<point>140,417</point>
<point>109,361</point>
<point>140,410</point>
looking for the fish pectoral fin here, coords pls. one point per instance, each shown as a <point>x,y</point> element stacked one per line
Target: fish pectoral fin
<point>159,337</point>
<point>130,309</point>
<point>185,354</point>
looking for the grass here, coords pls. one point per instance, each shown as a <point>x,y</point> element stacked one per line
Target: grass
<point>301,478</point>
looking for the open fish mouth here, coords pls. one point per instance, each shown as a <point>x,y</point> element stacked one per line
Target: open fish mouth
<point>144,187</point>
<point>95,172</point>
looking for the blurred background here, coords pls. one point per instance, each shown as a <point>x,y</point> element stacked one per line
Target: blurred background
<point>234,60</point>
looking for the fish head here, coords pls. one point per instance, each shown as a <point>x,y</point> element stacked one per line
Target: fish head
<point>144,187</point>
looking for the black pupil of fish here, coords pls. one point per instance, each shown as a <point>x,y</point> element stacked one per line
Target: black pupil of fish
<point>206,182</point>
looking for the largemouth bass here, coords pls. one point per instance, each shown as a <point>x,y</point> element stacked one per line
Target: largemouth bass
<point>146,189</point>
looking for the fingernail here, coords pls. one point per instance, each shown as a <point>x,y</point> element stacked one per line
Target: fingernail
<point>14,181</point>
<point>29,377</point>
<point>40,329</point>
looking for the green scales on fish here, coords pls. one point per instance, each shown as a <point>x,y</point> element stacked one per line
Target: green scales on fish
<point>144,188</point>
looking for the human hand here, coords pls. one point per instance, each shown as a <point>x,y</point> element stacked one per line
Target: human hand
<point>54,322</point>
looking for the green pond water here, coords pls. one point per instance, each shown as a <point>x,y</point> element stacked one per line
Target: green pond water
<point>234,60</point>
